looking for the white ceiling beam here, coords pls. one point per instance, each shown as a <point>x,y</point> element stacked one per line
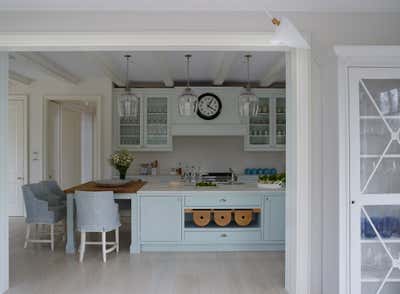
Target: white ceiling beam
<point>106,65</point>
<point>223,65</point>
<point>50,67</point>
<point>17,77</point>
<point>273,73</point>
<point>164,70</point>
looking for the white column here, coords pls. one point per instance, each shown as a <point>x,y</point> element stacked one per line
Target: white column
<point>4,262</point>
<point>298,168</point>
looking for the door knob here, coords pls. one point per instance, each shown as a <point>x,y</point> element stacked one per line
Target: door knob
<point>20,178</point>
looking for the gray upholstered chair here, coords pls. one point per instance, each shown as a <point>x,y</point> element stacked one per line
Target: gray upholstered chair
<point>55,195</point>
<point>97,212</point>
<point>39,211</point>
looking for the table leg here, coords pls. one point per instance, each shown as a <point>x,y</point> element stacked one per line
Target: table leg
<point>70,247</point>
<point>135,246</point>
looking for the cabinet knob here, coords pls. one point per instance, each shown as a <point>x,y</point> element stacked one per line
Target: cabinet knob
<point>224,235</point>
<point>222,200</point>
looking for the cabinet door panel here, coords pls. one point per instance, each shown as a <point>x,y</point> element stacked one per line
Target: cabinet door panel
<point>277,227</point>
<point>160,218</point>
<point>274,218</point>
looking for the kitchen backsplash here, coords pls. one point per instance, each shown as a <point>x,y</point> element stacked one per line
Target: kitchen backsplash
<point>211,154</point>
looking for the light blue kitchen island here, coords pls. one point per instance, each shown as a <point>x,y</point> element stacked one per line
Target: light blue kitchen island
<point>159,221</point>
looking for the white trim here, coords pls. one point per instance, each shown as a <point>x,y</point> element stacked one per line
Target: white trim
<point>350,57</point>
<point>98,154</point>
<point>367,51</point>
<point>4,243</point>
<point>297,254</point>
<point>298,169</point>
<point>169,41</point>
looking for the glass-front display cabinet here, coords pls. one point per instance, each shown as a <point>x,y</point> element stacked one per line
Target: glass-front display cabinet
<point>267,130</point>
<point>149,129</point>
<point>374,180</point>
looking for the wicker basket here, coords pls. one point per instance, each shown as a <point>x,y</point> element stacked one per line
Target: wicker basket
<point>201,218</point>
<point>243,217</point>
<point>222,217</point>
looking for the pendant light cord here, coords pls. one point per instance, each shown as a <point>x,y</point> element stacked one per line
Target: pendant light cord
<point>127,73</point>
<point>187,70</point>
<point>248,70</point>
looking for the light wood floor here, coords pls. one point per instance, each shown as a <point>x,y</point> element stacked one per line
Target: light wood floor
<point>38,270</point>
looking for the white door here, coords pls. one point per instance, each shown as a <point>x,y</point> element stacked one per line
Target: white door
<point>16,155</point>
<point>374,100</point>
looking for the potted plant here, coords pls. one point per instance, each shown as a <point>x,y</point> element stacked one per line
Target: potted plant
<point>121,161</point>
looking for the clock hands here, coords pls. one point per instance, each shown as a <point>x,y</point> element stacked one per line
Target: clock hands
<point>209,106</point>
<point>212,108</point>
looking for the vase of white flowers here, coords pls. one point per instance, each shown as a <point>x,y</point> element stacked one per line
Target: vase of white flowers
<point>122,160</point>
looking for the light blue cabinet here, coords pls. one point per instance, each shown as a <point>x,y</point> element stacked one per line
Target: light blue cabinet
<point>274,218</point>
<point>160,219</point>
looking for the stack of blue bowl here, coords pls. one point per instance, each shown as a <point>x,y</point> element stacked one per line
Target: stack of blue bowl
<point>386,227</point>
<point>260,171</point>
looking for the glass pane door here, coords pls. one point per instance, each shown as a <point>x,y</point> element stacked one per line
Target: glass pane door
<point>379,136</point>
<point>157,121</point>
<point>375,180</point>
<point>129,130</point>
<point>280,110</point>
<point>259,126</point>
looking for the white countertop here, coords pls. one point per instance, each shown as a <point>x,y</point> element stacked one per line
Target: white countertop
<point>169,188</point>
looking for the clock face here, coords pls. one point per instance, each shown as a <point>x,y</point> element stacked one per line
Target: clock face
<point>209,106</point>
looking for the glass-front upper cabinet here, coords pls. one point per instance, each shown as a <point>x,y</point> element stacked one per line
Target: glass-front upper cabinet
<point>259,126</point>
<point>149,130</point>
<point>128,129</point>
<point>157,132</point>
<point>375,180</point>
<point>267,130</point>
<point>280,122</point>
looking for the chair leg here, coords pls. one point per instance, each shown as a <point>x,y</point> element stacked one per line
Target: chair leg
<point>117,239</point>
<point>103,244</point>
<point>83,246</point>
<point>28,232</point>
<point>52,236</point>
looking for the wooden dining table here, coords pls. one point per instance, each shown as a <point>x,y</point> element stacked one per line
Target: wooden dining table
<point>125,192</point>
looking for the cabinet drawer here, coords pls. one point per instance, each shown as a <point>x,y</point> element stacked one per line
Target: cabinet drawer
<point>223,200</point>
<point>222,236</point>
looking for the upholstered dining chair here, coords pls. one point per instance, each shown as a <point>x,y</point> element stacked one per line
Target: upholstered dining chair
<point>54,193</point>
<point>39,211</point>
<point>97,212</point>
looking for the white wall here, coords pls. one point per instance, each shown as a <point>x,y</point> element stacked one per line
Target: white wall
<point>325,29</point>
<point>211,154</point>
<point>51,87</point>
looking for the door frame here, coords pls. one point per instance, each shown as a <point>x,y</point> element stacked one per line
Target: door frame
<point>97,142</point>
<point>352,57</point>
<point>24,99</point>
<point>298,72</point>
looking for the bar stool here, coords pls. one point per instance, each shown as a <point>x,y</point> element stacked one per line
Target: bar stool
<point>97,212</point>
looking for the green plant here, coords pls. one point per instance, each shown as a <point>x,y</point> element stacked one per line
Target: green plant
<point>272,179</point>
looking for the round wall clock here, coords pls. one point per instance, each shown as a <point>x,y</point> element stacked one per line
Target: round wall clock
<point>209,106</point>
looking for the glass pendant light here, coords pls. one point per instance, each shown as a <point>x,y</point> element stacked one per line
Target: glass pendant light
<point>248,101</point>
<point>128,102</point>
<point>187,100</point>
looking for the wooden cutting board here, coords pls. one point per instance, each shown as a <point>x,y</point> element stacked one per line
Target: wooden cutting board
<point>131,187</point>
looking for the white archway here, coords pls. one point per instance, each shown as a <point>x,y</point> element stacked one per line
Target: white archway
<point>298,64</point>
